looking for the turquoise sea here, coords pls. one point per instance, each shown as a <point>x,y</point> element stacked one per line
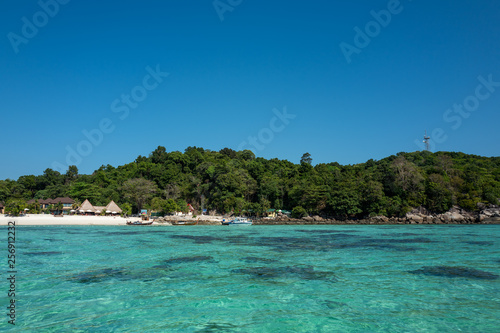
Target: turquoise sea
<point>411,278</point>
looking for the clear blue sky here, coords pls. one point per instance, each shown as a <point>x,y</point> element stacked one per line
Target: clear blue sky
<point>226,76</point>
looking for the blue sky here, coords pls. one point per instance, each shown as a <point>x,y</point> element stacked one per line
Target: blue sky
<point>275,71</point>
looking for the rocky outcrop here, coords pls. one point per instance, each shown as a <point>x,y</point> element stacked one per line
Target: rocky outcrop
<point>416,218</point>
<point>490,215</point>
<point>456,215</point>
<point>282,217</point>
<point>167,220</point>
<point>163,220</point>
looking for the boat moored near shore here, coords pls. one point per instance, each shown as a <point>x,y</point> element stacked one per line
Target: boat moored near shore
<point>184,222</point>
<point>139,222</point>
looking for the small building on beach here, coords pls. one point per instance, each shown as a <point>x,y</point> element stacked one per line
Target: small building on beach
<point>66,202</point>
<point>271,213</point>
<point>46,203</point>
<point>2,208</point>
<point>87,208</point>
<point>113,208</point>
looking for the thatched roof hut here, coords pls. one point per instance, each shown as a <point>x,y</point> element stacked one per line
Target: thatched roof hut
<point>86,207</point>
<point>113,208</point>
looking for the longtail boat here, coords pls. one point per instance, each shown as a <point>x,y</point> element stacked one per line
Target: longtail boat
<point>139,223</point>
<point>184,222</point>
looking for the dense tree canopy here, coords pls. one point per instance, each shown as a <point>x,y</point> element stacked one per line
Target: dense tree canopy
<point>231,181</point>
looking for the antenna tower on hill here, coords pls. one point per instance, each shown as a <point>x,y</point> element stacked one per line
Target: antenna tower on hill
<point>426,141</point>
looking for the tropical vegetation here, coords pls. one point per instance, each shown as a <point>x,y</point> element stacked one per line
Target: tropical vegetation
<point>238,182</point>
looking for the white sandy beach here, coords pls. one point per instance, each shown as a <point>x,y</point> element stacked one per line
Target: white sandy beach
<point>46,219</point>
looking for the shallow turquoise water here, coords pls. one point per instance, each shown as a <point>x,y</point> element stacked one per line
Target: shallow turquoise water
<point>257,279</point>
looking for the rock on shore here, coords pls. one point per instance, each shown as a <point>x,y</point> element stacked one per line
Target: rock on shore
<point>456,215</point>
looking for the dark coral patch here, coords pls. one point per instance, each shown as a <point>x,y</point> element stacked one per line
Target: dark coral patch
<point>199,239</point>
<point>401,241</point>
<point>327,242</point>
<point>292,243</point>
<point>46,253</point>
<point>125,233</point>
<point>325,231</point>
<point>215,327</point>
<point>259,260</point>
<point>304,273</point>
<point>378,245</point>
<point>181,260</point>
<point>100,275</point>
<point>401,234</point>
<point>163,267</point>
<point>237,240</point>
<point>338,235</point>
<point>454,272</point>
<point>334,305</point>
<point>479,243</point>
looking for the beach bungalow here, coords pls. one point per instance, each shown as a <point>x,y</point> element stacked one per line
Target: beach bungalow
<point>2,208</point>
<point>88,209</point>
<point>67,202</point>
<point>64,201</point>
<point>113,208</point>
<point>271,213</point>
<point>189,212</point>
<point>45,203</point>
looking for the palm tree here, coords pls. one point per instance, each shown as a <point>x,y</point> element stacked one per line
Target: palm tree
<point>76,204</point>
<point>58,207</point>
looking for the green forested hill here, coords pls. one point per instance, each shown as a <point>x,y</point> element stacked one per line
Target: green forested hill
<point>233,181</point>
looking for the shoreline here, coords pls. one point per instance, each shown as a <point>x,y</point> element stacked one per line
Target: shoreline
<point>369,222</point>
<point>46,219</point>
<point>69,220</point>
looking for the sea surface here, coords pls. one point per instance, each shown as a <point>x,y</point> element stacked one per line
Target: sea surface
<point>410,278</point>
